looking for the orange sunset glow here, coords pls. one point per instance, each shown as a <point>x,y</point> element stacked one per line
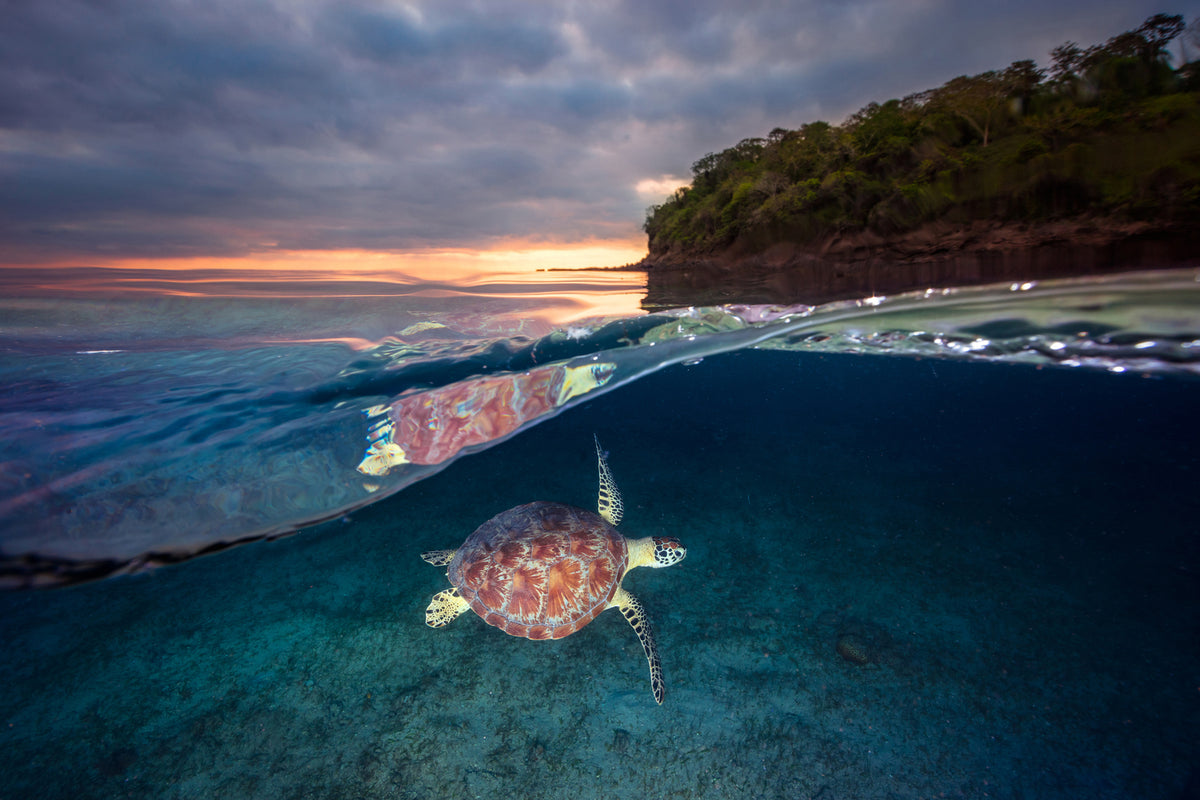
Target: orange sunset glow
<point>569,282</point>
<point>462,267</point>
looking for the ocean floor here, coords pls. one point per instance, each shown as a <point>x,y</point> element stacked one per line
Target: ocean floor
<point>906,579</point>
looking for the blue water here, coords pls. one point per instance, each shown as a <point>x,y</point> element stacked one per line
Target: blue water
<point>932,552</point>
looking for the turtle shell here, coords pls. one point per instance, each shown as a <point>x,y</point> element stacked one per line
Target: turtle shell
<point>541,570</point>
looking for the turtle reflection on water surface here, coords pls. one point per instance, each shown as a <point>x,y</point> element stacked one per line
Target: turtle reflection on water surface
<point>544,570</point>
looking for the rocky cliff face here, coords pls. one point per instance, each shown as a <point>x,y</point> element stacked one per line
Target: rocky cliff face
<point>936,255</point>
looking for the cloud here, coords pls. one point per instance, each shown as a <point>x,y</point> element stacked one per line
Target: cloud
<point>223,126</point>
<point>467,43</point>
<point>660,187</point>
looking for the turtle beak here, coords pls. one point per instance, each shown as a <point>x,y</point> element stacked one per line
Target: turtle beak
<point>668,551</point>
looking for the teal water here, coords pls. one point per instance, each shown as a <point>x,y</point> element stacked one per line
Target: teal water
<point>938,545</point>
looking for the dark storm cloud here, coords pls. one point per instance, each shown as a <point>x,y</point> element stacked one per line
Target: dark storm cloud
<point>215,127</point>
<point>461,43</point>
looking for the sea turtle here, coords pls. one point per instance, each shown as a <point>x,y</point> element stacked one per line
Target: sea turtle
<point>432,426</point>
<point>544,570</point>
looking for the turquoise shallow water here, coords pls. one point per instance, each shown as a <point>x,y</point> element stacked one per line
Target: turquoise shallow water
<point>932,552</point>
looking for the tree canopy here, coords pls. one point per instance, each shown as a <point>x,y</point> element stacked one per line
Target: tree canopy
<point>1112,128</point>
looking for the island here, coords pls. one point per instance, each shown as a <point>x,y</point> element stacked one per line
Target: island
<point>1090,166</point>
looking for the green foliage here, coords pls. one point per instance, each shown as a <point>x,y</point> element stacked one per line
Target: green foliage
<point>1110,129</point>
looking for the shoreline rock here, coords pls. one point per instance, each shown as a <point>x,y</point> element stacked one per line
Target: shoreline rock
<point>941,254</point>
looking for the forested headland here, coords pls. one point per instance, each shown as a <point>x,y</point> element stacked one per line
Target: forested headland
<point>1100,149</point>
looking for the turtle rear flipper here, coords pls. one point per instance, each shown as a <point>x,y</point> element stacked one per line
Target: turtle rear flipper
<point>445,608</point>
<point>439,558</point>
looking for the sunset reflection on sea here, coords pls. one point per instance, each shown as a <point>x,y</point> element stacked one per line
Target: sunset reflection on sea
<point>354,297</point>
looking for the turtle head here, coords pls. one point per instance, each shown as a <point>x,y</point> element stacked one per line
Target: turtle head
<point>667,551</point>
<point>656,551</point>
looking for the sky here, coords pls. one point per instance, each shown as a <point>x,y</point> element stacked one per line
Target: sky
<point>217,130</point>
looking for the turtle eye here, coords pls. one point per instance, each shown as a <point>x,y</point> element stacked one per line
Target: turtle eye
<point>668,551</point>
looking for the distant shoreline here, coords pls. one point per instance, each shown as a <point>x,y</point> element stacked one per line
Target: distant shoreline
<point>634,267</point>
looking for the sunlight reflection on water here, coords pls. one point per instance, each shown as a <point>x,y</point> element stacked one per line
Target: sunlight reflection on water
<point>239,308</point>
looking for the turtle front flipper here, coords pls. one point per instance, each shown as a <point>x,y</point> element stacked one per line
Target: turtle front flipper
<point>609,502</point>
<point>636,614</point>
<point>445,608</point>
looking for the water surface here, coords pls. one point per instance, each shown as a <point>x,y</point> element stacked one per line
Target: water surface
<point>939,544</point>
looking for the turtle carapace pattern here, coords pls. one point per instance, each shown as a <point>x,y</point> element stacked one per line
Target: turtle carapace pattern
<point>544,570</point>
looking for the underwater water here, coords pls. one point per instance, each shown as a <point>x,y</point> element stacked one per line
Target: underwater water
<point>938,546</point>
